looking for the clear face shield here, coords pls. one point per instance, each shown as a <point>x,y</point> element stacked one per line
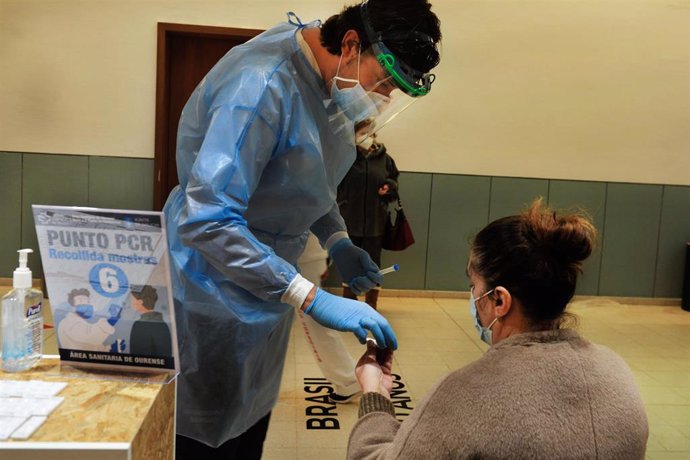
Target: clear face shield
<point>387,108</point>
<point>397,87</point>
<point>368,110</point>
<point>376,106</point>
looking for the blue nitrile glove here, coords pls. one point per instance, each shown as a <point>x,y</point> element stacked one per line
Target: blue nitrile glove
<point>353,316</point>
<point>113,346</point>
<point>114,311</point>
<point>355,266</point>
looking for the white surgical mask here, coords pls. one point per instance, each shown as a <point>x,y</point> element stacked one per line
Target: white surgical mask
<point>366,143</point>
<point>355,102</point>
<point>485,333</point>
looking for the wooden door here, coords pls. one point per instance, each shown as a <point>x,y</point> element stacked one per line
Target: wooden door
<point>185,54</point>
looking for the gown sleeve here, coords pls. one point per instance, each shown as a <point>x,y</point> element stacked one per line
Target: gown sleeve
<point>238,145</point>
<point>329,225</point>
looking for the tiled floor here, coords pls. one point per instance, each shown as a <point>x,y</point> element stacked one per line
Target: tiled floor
<point>436,336</point>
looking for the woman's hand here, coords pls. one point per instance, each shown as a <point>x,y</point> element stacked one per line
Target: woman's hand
<point>389,190</point>
<point>374,370</point>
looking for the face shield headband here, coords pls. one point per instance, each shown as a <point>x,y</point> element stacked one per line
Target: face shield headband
<point>409,80</point>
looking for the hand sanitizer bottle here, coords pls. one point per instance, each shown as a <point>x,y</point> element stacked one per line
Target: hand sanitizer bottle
<point>21,322</point>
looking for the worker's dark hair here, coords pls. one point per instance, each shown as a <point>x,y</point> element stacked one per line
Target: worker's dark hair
<point>395,20</point>
<point>537,257</point>
<point>75,292</point>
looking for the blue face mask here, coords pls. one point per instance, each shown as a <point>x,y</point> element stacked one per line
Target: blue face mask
<point>84,310</point>
<point>485,333</point>
<point>355,102</point>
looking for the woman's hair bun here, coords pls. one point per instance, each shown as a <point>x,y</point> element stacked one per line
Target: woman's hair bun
<point>568,238</point>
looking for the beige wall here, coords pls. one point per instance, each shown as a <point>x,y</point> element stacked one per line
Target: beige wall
<point>570,89</point>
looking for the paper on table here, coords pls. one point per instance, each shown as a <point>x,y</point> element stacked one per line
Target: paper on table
<point>28,406</point>
<point>25,405</point>
<point>28,427</point>
<point>30,388</point>
<point>8,424</point>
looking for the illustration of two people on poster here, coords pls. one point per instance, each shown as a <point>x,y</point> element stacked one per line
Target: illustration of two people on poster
<point>81,327</point>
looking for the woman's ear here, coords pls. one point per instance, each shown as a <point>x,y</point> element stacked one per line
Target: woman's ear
<point>503,301</point>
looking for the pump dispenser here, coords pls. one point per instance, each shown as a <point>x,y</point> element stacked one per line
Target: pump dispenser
<point>21,322</point>
<point>22,275</point>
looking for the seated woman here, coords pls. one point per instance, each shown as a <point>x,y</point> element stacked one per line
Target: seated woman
<point>541,390</point>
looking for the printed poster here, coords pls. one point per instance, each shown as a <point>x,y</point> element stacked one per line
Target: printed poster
<point>108,280</point>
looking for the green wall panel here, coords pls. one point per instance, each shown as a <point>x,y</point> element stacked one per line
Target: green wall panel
<point>590,197</point>
<point>52,180</point>
<point>10,210</point>
<point>673,237</point>
<point>121,183</point>
<point>415,194</point>
<point>510,196</point>
<point>641,251</point>
<point>459,209</point>
<point>630,241</point>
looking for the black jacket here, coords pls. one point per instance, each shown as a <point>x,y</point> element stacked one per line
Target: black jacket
<point>364,211</point>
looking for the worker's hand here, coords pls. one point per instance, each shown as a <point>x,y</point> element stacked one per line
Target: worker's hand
<point>374,370</point>
<point>114,311</point>
<point>353,316</point>
<point>355,266</point>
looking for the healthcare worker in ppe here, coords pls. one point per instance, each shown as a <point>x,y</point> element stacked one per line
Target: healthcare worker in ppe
<point>262,144</point>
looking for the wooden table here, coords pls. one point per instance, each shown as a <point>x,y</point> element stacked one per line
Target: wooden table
<point>103,416</point>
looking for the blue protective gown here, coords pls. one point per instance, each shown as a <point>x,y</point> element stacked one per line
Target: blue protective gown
<point>259,165</point>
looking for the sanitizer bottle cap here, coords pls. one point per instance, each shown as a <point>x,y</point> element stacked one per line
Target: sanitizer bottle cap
<point>22,275</point>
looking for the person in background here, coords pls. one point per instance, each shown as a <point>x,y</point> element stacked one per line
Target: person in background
<point>262,143</point>
<point>541,390</point>
<point>326,344</point>
<point>150,335</point>
<point>364,195</point>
